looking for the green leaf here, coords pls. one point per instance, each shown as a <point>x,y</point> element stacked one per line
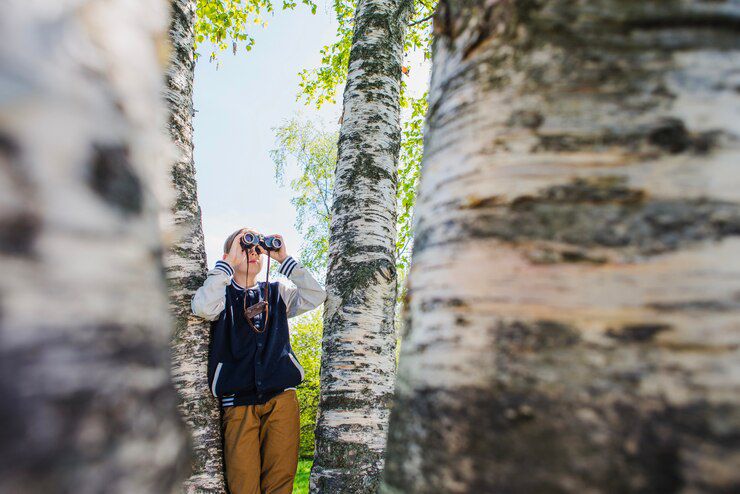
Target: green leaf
<point>225,22</point>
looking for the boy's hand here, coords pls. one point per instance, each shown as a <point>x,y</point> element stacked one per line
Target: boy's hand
<point>236,254</point>
<point>279,255</point>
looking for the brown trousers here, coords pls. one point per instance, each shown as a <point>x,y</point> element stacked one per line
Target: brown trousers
<point>261,445</point>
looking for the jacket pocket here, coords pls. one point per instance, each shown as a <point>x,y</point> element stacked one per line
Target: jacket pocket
<point>297,365</point>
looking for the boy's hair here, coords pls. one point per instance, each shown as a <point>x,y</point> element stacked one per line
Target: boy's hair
<point>230,239</point>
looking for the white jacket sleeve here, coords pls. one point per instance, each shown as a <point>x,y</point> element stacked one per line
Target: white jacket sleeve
<point>307,293</point>
<point>210,299</point>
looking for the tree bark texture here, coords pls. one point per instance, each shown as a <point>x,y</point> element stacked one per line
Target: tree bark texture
<point>358,361</point>
<point>88,404</point>
<point>186,267</point>
<point>574,294</point>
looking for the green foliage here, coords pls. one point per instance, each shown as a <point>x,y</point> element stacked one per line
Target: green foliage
<point>319,85</point>
<point>305,339</point>
<point>409,167</point>
<point>419,34</point>
<point>314,151</point>
<point>300,486</point>
<point>227,22</point>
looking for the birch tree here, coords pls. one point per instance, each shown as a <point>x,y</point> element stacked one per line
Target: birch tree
<point>573,299</point>
<point>358,360</point>
<point>88,404</point>
<point>319,85</point>
<point>186,267</point>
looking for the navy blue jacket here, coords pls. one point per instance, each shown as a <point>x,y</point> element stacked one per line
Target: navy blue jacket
<point>246,367</point>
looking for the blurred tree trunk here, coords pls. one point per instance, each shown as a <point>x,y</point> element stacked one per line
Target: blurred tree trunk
<point>87,399</point>
<point>575,286</point>
<point>186,267</point>
<point>358,361</point>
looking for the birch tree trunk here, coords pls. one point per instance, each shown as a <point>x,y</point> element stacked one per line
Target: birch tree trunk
<point>575,286</point>
<point>88,404</point>
<point>186,268</point>
<point>358,360</point>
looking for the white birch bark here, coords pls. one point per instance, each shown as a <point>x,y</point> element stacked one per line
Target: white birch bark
<point>574,291</point>
<point>186,267</point>
<point>88,405</point>
<point>358,360</point>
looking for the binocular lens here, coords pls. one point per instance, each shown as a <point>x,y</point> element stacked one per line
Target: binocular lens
<point>260,243</point>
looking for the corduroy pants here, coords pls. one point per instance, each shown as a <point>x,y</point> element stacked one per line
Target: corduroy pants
<point>261,445</point>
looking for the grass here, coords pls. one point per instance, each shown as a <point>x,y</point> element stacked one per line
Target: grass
<point>301,477</point>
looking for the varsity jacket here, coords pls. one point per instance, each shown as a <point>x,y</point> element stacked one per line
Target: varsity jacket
<point>246,367</point>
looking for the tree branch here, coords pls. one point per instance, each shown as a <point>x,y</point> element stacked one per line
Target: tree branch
<point>422,20</point>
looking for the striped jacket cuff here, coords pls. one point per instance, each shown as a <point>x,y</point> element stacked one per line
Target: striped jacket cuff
<point>286,268</point>
<point>225,267</point>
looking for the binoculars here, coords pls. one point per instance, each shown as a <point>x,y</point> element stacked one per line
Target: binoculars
<point>249,240</point>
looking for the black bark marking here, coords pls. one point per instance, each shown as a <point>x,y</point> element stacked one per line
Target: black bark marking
<point>349,402</point>
<point>8,146</point>
<point>18,233</point>
<point>526,118</point>
<point>435,303</point>
<point>19,227</point>
<point>671,135</point>
<point>727,305</point>
<point>482,436</point>
<point>551,255</point>
<point>598,190</point>
<point>639,333</point>
<point>104,352</point>
<point>600,212</point>
<point>519,336</point>
<point>694,20</point>
<point>461,321</point>
<point>114,180</point>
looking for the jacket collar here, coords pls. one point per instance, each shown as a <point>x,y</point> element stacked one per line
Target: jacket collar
<point>239,287</point>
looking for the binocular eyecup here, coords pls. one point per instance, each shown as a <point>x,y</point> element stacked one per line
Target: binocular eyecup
<point>250,240</point>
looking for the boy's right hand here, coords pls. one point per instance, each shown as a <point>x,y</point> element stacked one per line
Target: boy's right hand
<point>236,254</point>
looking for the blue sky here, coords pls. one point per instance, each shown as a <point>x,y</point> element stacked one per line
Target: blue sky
<point>237,107</point>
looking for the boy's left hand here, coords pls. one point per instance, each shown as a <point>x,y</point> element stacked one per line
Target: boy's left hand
<point>279,255</point>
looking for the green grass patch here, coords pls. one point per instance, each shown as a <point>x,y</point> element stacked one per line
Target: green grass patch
<point>301,477</point>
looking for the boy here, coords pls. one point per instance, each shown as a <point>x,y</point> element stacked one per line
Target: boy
<point>251,368</point>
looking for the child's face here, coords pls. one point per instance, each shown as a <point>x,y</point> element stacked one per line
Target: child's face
<point>237,259</point>
<point>255,260</point>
